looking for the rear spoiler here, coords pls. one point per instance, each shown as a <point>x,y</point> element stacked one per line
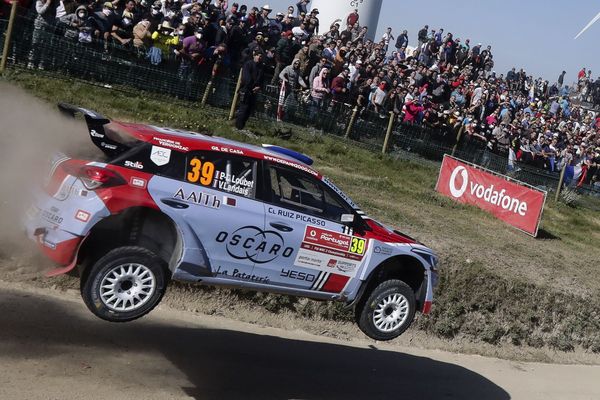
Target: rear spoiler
<point>95,123</point>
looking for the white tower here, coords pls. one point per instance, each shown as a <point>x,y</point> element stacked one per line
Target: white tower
<point>330,10</point>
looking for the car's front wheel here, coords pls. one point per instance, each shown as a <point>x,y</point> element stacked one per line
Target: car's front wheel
<point>125,284</point>
<point>388,311</point>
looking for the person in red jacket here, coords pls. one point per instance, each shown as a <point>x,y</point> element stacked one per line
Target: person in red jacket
<point>412,111</point>
<point>338,86</point>
<point>352,18</point>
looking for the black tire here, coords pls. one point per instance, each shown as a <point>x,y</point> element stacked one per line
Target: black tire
<point>115,261</point>
<point>365,310</point>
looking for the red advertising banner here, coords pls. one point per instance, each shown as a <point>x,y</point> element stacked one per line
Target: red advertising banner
<point>514,202</point>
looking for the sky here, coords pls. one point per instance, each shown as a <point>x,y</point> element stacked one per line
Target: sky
<point>536,35</point>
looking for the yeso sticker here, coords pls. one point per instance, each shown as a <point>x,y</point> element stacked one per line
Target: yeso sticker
<point>160,156</point>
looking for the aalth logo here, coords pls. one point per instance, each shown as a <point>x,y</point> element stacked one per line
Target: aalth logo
<point>458,192</point>
<point>254,244</point>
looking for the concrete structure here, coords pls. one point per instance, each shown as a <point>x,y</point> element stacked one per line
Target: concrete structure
<point>330,10</point>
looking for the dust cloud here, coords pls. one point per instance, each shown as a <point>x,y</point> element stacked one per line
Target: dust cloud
<point>31,131</point>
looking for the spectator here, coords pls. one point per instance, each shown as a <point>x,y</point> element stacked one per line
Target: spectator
<point>44,21</point>
<point>302,7</point>
<point>422,36</point>
<point>142,37</point>
<point>444,83</point>
<point>320,89</point>
<point>402,41</point>
<point>338,86</point>
<point>283,54</point>
<point>252,81</point>
<point>386,38</point>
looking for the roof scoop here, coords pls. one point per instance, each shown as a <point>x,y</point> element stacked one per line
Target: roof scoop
<point>303,158</point>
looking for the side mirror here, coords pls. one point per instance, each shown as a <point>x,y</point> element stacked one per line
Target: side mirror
<point>347,217</point>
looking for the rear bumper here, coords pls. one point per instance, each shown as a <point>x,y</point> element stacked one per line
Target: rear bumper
<point>57,244</point>
<point>44,227</point>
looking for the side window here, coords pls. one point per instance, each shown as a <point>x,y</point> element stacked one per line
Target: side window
<point>153,160</point>
<point>305,194</point>
<point>223,172</point>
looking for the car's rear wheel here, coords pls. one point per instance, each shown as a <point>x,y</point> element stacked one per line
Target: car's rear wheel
<point>388,311</point>
<point>125,284</point>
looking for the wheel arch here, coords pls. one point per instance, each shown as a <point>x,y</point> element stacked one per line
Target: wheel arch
<point>134,226</point>
<point>404,267</point>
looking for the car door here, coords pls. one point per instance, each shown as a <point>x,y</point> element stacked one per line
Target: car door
<point>214,204</point>
<point>307,215</point>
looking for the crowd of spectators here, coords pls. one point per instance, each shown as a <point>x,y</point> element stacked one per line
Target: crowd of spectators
<point>435,79</point>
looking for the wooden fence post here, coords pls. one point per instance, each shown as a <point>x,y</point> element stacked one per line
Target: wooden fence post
<point>388,133</point>
<point>458,136</point>
<point>236,95</point>
<point>561,179</point>
<point>351,122</point>
<point>7,37</point>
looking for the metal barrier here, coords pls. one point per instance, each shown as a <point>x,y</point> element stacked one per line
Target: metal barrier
<point>47,48</point>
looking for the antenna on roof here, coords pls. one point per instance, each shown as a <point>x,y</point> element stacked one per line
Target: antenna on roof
<point>291,153</point>
<point>596,18</point>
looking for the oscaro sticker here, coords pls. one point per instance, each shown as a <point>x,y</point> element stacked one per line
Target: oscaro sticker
<point>160,156</point>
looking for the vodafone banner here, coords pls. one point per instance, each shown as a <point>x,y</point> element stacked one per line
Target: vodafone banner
<point>514,202</point>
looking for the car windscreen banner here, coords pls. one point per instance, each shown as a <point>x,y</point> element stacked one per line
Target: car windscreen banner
<point>514,202</point>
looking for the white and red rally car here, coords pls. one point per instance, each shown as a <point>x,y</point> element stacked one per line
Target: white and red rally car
<point>182,205</point>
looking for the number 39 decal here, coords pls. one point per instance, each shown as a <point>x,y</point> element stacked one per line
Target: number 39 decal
<point>202,172</point>
<point>357,246</point>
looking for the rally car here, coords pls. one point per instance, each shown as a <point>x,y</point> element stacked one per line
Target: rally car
<point>168,204</point>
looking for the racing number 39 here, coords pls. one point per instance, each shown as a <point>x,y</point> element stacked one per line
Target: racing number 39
<point>357,246</point>
<point>201,171</point>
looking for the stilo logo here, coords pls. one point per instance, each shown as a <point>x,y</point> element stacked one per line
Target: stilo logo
<point>458,192</point>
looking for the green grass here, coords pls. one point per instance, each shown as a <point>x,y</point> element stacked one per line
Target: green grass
<point>498,285</point>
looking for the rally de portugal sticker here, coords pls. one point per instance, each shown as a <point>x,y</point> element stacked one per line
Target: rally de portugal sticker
<point>331,251</point>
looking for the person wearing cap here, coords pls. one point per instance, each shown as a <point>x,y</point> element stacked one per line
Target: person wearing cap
<point>312,22</point>
<point>164,41</point>
<point>252,81</point>
<point>304,59</point>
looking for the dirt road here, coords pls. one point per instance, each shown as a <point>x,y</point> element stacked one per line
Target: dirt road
<point>51,347</point>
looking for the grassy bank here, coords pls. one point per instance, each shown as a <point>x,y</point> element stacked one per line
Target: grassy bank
<point>497,285</point>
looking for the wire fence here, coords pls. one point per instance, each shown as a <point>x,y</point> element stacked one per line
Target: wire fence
<point>38,46</point>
